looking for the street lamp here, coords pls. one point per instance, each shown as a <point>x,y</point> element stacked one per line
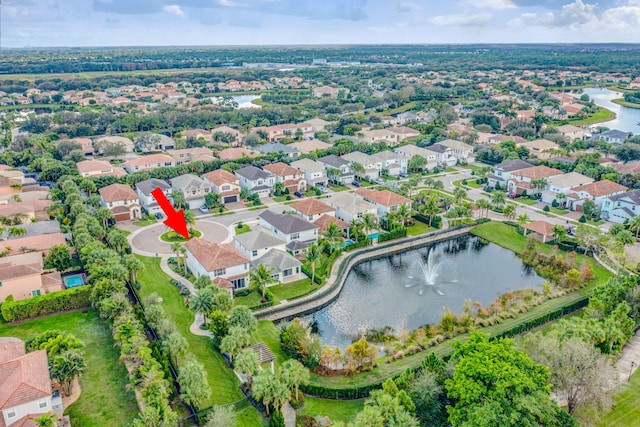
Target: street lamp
<point>631,370</point>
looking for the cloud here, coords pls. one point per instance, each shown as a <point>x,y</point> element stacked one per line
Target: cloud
<point>406,7</point>
<point>470,20</point>
<point>572,15</point>
<point>490,4</point>
<point>173,9</point>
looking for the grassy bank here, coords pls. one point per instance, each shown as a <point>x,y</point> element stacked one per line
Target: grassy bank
<point>626,409</point>
<point>106,399</point>
<point>602,115</point>
<point>336,410</point>
<point>622,102</point>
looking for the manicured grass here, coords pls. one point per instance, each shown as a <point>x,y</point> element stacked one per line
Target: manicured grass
<point>105,399</point>
<point>172,236</point>
<point>254,298</point>
<point>269,334</point>
<point>526,201</point>
<point>558,211</point>
<point>336,187</point>
<point>281,199</point>
<point>242,228</point>
<point>602,115</point>
<point>289,290</point>
<point>224,384</point>
<point>621,101</point>
<point>418,228</point>
<point>144,222</point>
<point>473,184</point>
<point>249,417</point>
<point>336,410</point>
<point>626,409</point>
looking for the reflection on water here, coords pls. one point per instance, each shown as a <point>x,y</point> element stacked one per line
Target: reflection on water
<point>626,118</point>
<point>392,291</point>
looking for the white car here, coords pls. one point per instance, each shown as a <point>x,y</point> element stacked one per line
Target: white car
<point>203,209</point>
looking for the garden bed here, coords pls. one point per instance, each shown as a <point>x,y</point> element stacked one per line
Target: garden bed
<point>172,236</point>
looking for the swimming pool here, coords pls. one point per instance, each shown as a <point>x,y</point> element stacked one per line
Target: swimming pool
<point>73,281</point>
<point>374,236</point>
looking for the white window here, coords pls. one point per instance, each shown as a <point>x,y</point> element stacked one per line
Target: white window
<point>295,235</point>
<point>11,413</point>
<point>219,272</point>
<point>43,404</point>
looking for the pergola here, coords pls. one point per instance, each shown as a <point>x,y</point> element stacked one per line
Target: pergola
<point>264,354</point>
<point>542,229</point>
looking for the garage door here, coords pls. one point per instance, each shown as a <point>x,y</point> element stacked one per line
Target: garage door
<point>122,216</point>
<point>230,199</point>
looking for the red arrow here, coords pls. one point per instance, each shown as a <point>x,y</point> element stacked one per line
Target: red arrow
<point>175,220</point>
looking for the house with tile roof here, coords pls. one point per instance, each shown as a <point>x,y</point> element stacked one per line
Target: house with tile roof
<point>193,188</point>
<point>256,181</point>
<point>23,276</point>
<point>611,136</point>
<point>385,201</point>
<point>372,168</point>
<point>258,242</point>
<point>279,132</point>
<point>87,168</point>
<point>144,189</point>
<point>621,207</point>
<point>237,153</point>
<point>150,162</point>
<point>570,131</point>
<point>312,209</point>
<point>541,148</point>
<point>563,184</point>
<point>291,178</point>
<point>187,155</point>
<point>522,180</point>
<point>379,135</point>
<point>228,135</point>
<point>310,145</point>
<point>455,149</point>
<point>597,192</point>
<point>217,260</point>
<point>277,147</point>
<point>40,243</point>
<point>349,207</point>
<point>403,132</point>
<point>326,219</point>
<point>338,170</point>
<point>122,201</point>
<point>284,267</point>
<point>25,385</point>
<point>225,184</point>
<point>314,173</point>
<point>393,163</point>
<point>503,172</point>
<point>296,231</point>
<point>411,150</point>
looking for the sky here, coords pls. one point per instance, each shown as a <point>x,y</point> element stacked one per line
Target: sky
<point>35,23</point>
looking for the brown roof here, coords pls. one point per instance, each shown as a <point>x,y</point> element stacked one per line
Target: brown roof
<point>312,207</point>
<point>540,227</point>
<point>382,197</point>
<point>538,172</point>
<point>16,271</point>
<point>15,208</point>
<point>631,167</point>
<point>221,176</point>
<point>117,193</point>
<point>40,243</point>
<point>24,379</point>
<point>11,348</point>
<point>213,256</point>
<point>265,355</point>
<point>223,283</point>
<point>324,221</point>
<point>236,153</point>
<point>281,169</point>
<point>51,279</point>
<point>601,188</point>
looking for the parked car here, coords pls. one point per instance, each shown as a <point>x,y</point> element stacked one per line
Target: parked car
<point>356,183</point>
<point>323,189</point>
<point>298,194</point>
<point>203,209</point>
<point>378,181</point>
<point>158,215</point>
<point>403,175</point>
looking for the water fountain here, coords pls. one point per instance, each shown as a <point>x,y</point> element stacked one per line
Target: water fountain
<point>430,270</point>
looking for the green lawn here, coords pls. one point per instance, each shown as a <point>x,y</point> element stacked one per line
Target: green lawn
<point>526,201</point>
<point>105,399</point>
<point>336,410</point>
<point>224,384</point>
<point>254,298</point>
<point>289,290</point>
<point>336,187</point>
<point>281,199</point>
<point>626,409</point>
<point>558,211</point>
<point>172,236</point>
<point>249,417</point>
<point>621,101</point>
<point>602,115</point>
<point>269,334</point>
<point>419,228</point>
<point>145,222</point>
<point>242,228</point>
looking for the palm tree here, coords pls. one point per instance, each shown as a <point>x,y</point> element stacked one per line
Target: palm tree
<point>66,366</point>
<point>431,208</point>
<point>634,225</point>
<point>404,213</point>
<point>260,277</point>
<point>333,236</point>
<point>356,228</point>
<point>312,256</point>
<point>183,254</point>
<point>278,189</point>
<point>498,199</point>
<point>194,387</point>
<point>103,215</point>
<point>294,374</point>
<point>369,222</point>
<point>175,345</point>
<point>268,389</point>
<point>458,195</point>
<point>561,198</point>
<point>116,240</point>
<point>190,219</point>
<point>49,419</point>
<point>175,247</point>
<point>134,265</point>
<point>509,212</point>
<point>558,232</point>
<point>625,238</point>
<point>484,206</point>
<point>248,363</point>
<point>202,301</point>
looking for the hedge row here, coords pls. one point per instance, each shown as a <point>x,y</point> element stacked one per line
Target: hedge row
<point>363,391</point>
<point>46,304</point>
<point>318,278</point>
<point>436,222</point>
<point>359,244</point>
<point>395,234</point>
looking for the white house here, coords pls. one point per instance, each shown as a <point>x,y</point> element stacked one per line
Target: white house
<point>522,180</point>
<point>314,172</point>
<point>144,189</point>
<point>335,163</point>
<point>621,207</point>
<point>256,180</point>
<point>312,209</point>
<point>372,168</point>
<point>597,192</point>
<point>385,201</point>
<point>256,243</point>
<point>394,163</point>
<point>411,150</point>
<point>193,188</point>
<point>150,162</point>
<point>562,184</point>
<point>122,201</point>
<point>293,179</point>
<point>285,268</point>
<point>349,207</point>
<point>217,260</point>
<point>503,172</point>
<point>296,231</point>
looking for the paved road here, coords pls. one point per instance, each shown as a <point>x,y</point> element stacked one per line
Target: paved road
<point>147,241</point>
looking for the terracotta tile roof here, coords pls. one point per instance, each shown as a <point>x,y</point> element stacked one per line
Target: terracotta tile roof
<point>601,188</point>
<point>17,271</point>
<point>236,153</point>
<point>312,207</point>
<point>214,256</point>
<point>223,283</point>
<point>281,169</point>
<point>538,172</point>
<point>382,197</point>
<point>542,227</point>
<point>39,243</point>
<point>152,160</point>
<point>14,209</point>
<point>117,193</point>
<point>24,379</point>
<point>220,177</point>
<point>51,279</point>
<point>11,348</point>
<point>324,221</point>
<point>88,166</point>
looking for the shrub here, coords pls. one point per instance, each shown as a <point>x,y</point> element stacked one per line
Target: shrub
<point>582,219</point>
<point>546,208</point>
<point>47,304</point>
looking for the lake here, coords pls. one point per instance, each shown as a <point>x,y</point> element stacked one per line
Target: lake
<point>626,118</point>
<point>394,290</point>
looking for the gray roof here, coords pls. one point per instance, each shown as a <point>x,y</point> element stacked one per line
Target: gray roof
<point>513,165</point>
<point>37,228</point>
<point>147,186</point>
<point>333,161</point>
<point>259,239</point>
<point>277,260</point>
<point>188,182</point>
<point>438,148</point>
<point>612,133</point>
<point>275,147</point>
<point>307,165</point>
<point>253,173</point>
<point>297,245</point>
<point>287,224</point>
<point>633,195</point>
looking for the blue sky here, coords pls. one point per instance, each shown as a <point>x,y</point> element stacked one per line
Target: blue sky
<point>258,22</point>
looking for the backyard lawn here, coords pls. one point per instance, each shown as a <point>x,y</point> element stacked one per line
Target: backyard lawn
<point>336,410</point>
<point>626,409</point>
<point>418,228</point>
<point>105,399</point>
<point>281,292</point>
<point>242,228</point>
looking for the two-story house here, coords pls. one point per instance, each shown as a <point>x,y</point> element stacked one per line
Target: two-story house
<point>144,189</point>
<point>256,180</point>
<point>541,148</point>
<point>277,147</point>
<point>291,178</point>
<point>349,207</point>
<point>25,384</point>
<point>502,172</point>
<point>218,261</point>
<point>338,170</point>
<point>296,231</point>
<point>150,162</point>
<point>403,132</point>
<point>393,163</point>
<point>571,132</point>
<point>312,209</point>
<point>368,167</point>
<point>597,192</point>
<point>225,184</point>
<point>385,201</point>
<point>22,276</point>
<point>193,154</point>
<point>379,135</point>
<point>87,168</point>
<point>314,172</point>
<point>122,201</point>
<point>563,184</point>
<point>611,136</point>
<point>410,150</point>
<point>193,188</point>
<point>621,207</point>
<point>525,179</point>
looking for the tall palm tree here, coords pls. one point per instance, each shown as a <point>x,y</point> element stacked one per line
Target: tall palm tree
<point>248,363</point>
<point>190,219</point>
<point>333,236</point>
<point>294,374</point>
<point>459,194</point>
<point>634,225</point>
<point>483,205</point>
<point>268,389</point>
<point>312,256</point>
<point>260,277</point>
<point>66,366</point>
<point>103,215</point>
<point>175,247</point>
<point>134,265</point>
<point>369,222</point>
<point>183,254</point>
<point>404,213</point>
<point>202,301</point>
<point>498,199</point>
